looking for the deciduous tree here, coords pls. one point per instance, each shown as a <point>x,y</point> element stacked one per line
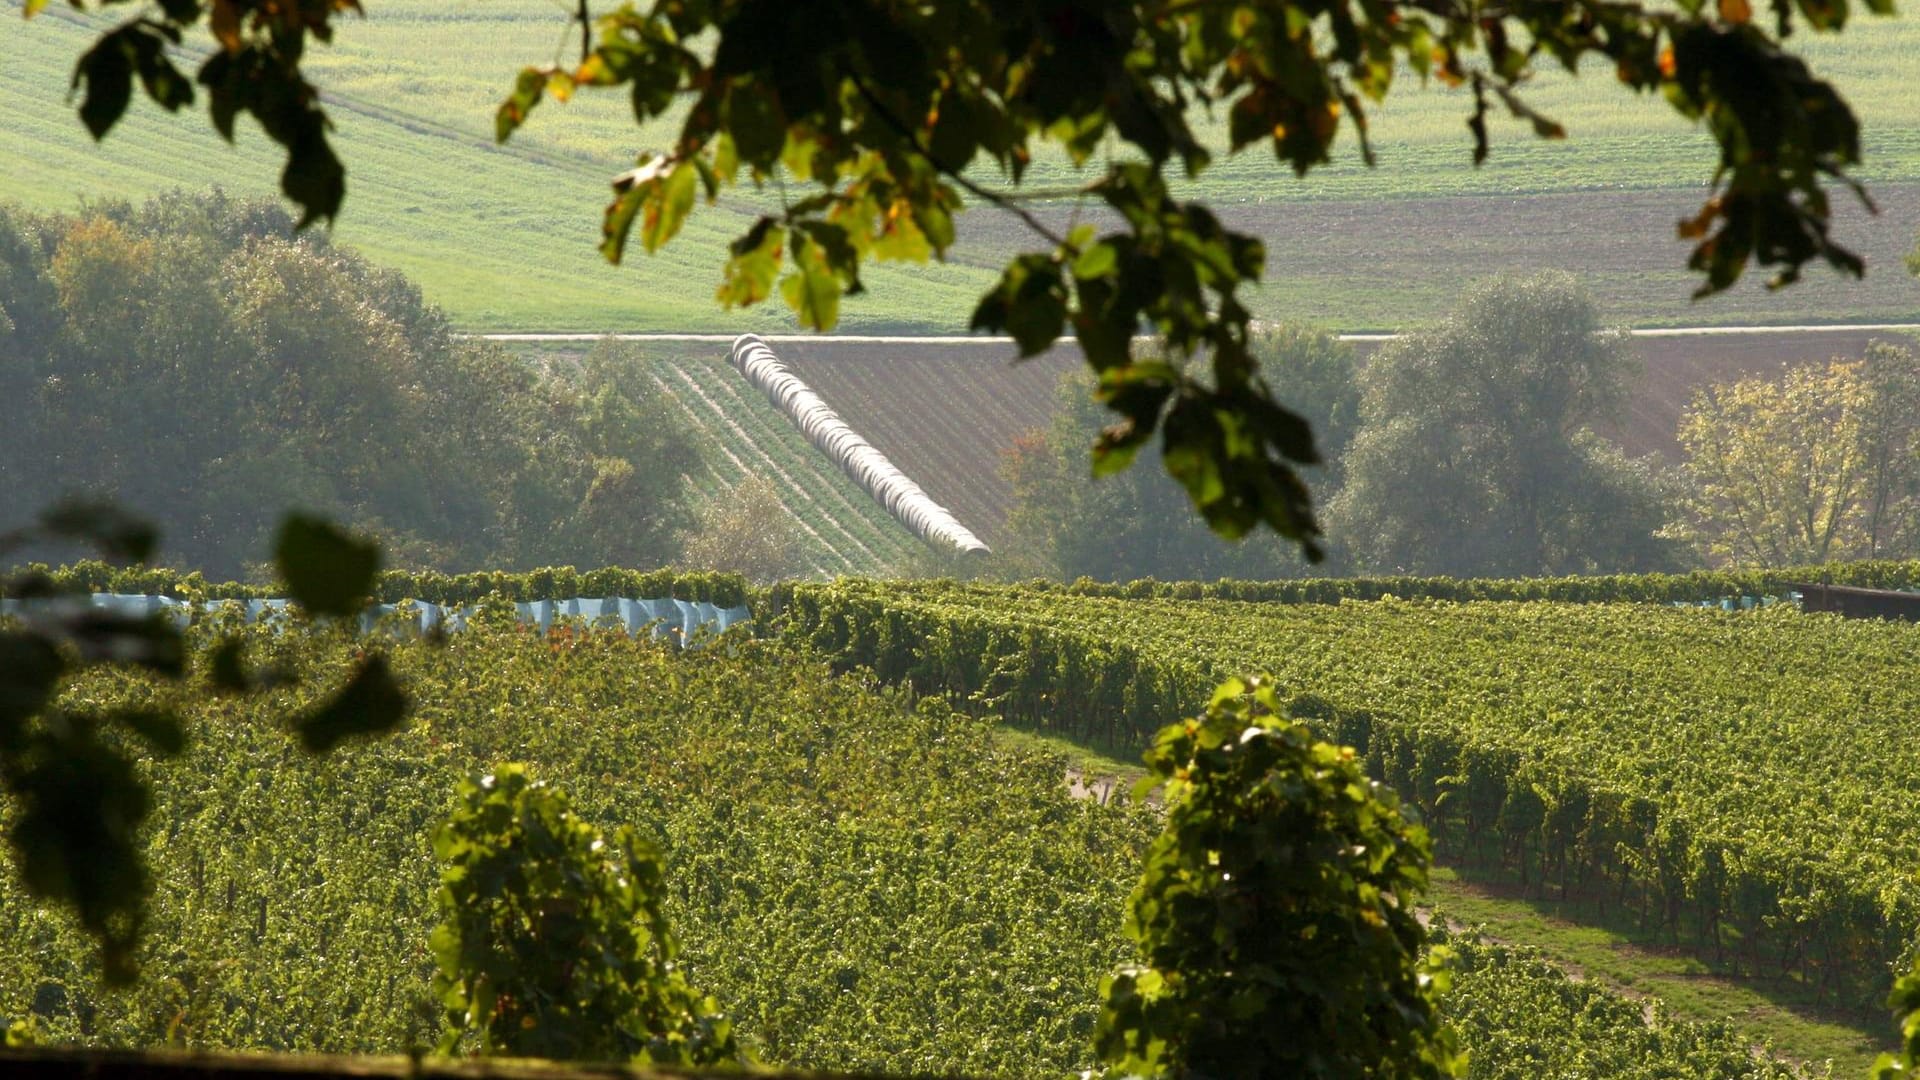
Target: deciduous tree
<point>194,361</point>
<point>747,531</point>
<point>1136,524</point>
<point>1816,465</point>
<point>1473,457</point>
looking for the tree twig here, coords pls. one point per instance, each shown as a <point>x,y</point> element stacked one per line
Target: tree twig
<point>995,199</point>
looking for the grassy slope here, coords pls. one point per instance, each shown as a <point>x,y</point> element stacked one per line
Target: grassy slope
<point>505,238</point>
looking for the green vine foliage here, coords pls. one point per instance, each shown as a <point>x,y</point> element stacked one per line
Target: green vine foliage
<point>553,942</point>
<point>1275,916</point>
<point>1905,1002</point>
<point>72,797</point>
<point>1522,731</point>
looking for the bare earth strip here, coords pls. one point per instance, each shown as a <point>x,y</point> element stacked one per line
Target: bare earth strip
<point>944,414</point>
<point>946,410</point>
<point>1389,264</point>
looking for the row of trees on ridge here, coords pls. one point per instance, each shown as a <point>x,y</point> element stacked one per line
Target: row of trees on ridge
<point>1467,449</point>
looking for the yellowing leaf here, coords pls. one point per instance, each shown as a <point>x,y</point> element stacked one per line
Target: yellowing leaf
<point>812,290</point>
<point>813,295</point>
<point>667,207</point>
<point>755,262</point>
<point>899,237</point>
<point>224,20</point>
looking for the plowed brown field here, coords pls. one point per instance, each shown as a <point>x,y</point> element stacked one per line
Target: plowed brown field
<point>946,413</point>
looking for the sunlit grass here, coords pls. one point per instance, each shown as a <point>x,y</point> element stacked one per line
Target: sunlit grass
<point>505,238</point>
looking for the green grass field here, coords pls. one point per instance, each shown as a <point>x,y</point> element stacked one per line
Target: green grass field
<point>504,237</point>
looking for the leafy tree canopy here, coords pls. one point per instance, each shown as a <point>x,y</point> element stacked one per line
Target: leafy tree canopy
<point>1473,457</point>
<point>193,360</point>
<point>871,114</point>
<point>1136,524</point>
<point>1821,463</point>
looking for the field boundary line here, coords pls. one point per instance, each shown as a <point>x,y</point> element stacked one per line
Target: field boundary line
<point>964,339</point>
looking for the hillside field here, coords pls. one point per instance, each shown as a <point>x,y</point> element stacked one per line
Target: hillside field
<point>865,879</point>
<point>1738,784</point>
<point>504,237</point>
<point>947,412</point>
<point>738,434</point>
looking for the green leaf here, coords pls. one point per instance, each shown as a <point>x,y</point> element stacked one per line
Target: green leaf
<point>30,668</point>
<point>528,88</point>
<point>1037,317</point>
<point>227,669</point>
<point>1095,261</point>
<point>314,178</point>
<point>75,826</point>
<point>758,127</point>
<point>812,290</point>
<point>222,77</point>
<point>327,571</point>
<point>754,265</point>
<point>371,703</point>
<point>106,70</point>
<point>161,80</point>
<point>119,535</point>
<point>1029,303</point>
<point>814,294</point>
<point>161,730</point>
<point>617,226</point>
<point>667,206</point>
<point>151,641</point>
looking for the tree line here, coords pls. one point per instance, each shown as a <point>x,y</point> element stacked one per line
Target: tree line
<point>193,360</point>
<point>1467,449</point>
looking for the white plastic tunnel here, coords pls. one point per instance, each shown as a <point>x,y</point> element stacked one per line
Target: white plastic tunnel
<point>865,465</point>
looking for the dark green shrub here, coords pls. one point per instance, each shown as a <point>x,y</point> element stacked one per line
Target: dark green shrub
<point>1275,916</point>
<point>553,942</point>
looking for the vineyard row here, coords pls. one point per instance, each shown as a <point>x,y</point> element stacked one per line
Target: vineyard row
<point>1766,814</point>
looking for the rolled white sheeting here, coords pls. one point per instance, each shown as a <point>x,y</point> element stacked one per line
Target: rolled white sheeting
<point>855,456</point>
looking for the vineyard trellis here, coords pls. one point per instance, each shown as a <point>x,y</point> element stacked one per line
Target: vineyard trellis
<point>1613,753</point>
